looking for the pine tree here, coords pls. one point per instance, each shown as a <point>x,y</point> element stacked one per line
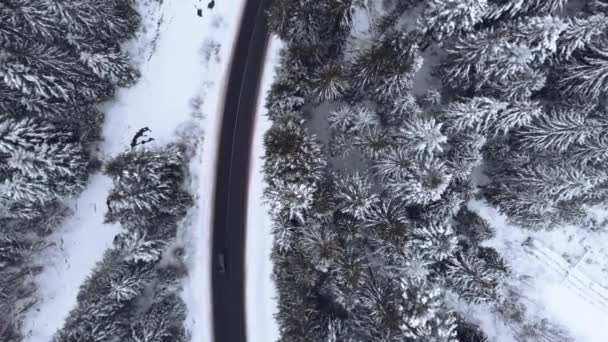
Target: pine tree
<point>354,195</point>
<point>398,110</point>
<point>580,34</point>
<point>424,317</point>
<point>372,143</point>
<point>472,279</point>
<point>395,163</point>
<point>586,76</point>
<point>353,119</point>
<point>329,83</point>
<point>465,154</point>
<point>290,199</point>
<point>40,163</point>
<point>292,153</point>
<point>560,130</point>
<point>472,227</point>
<point>435,239</point>
<point>422,136</point>
<point>425,182</point>
<point>441,19</point>
<point>504,56</point>
<point>477,114</point>
<point>515,8</point>
<point>159,322</point>
<point>83,24</point>
<point>145,184</point>
<point>387,69</point>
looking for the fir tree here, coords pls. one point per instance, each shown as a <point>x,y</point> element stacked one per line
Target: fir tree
<point>435,239</point>
<point>516,8</point>
<point>422,136</point>
<point>586,76</point>
<point>147,182</point>
<point>354,196</point>
<point>329,83</point>
<point>41,164</point>
<point>387,69</point>
<point>424,316</point>
<point>425,182</point>
<point>580,34</point>
<point>472,279</point>
<point>441,19</point>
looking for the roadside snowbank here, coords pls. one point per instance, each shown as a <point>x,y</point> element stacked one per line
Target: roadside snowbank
<point>260,290</point>
<point>215,48</point>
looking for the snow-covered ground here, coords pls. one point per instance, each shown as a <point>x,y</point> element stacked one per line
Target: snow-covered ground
<point>183,59</point>
<point>260,290</point>
<point>567,271</point>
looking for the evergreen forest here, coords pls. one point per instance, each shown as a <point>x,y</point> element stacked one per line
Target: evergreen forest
<point>388,118</point>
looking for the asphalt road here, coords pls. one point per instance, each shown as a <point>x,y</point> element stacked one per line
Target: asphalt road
<point>232,174</point>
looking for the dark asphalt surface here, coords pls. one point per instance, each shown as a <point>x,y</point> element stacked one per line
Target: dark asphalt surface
<point>232,174</point>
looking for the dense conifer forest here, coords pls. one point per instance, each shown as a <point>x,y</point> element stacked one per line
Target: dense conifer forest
<point>384,129</point>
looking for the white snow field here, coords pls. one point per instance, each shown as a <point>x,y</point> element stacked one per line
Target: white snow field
<point>184,60</point>
<point>260,291</point>
<point>567,273</point>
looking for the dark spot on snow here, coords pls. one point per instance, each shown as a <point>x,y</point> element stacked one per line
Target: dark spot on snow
<point>211,4</point>
<point>199,12</point>
<point>141,134</point>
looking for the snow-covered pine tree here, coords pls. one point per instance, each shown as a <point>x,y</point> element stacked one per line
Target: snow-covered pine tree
<point>543,195</point>
<point>40,164</point>
<point>161,321</point>
<point>147,184</point>
<point>354,195</point>
<point>425,181</point>
<point>465,154</point>
<point>561,129</point>
<point>509,9</point>
<point>502,57</point>
<point>472,278</point>
<point>83,24</point>
<point>586,76</point>
<point>353,119</point>
<point>380,318</point>
<point>471,227</point>
<point>424,315</point>
<point>476,115</point>
<point>321,25</point>
<point>386,70</point>
<point>580,34</point>
<point>422,136</point>
<point>441,19</point>
<point>435,239</point>
<point>329,83</point>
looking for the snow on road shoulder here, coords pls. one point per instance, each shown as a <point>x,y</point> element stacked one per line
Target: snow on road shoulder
<point>183,60</point>
<point>215,54</point>
<point>260,290</point>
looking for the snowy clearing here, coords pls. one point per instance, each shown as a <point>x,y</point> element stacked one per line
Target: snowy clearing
<point>74,250</point>
<point>260,290</point>
<point>562,280</point>
<point>183,59</point>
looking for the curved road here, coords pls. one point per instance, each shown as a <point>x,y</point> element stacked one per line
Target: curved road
<point>232,175</point>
